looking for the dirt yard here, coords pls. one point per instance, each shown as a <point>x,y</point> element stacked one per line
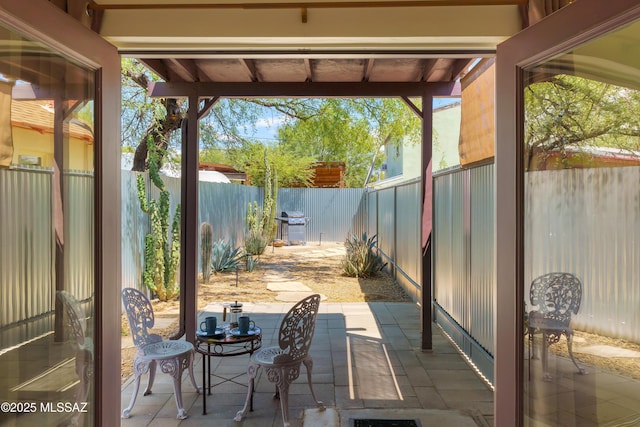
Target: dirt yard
<point>318,267</point>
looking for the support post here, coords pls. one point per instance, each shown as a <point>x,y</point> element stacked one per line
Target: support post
<point>189,224</point>
<point>427,220</point>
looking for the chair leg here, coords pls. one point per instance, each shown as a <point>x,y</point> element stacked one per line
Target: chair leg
<point>139,368</point>
<point>200,390</point>
<point>152,377</point>
<point>582,371</point>
<point>175,368</point>
<point>545,357</point>
<point>84,369</point>
<point>252,372</point>
<point>283,391</point>
<point>308,363</point>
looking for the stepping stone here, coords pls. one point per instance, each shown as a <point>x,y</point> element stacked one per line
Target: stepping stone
<point>276,278</point>
<point>296,296</point>
<point>288,287</point>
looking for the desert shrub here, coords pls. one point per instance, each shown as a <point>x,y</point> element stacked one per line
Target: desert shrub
<point>224,257</point>
<point>362,259</point>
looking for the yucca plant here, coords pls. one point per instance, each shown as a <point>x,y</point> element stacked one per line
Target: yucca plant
<point>224,257</point>
<point>362,259</point>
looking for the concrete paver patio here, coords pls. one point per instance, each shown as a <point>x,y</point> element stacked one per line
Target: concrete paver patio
<point>367,364</point>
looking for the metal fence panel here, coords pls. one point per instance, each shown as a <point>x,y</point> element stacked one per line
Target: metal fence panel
<point>79,235</point>
<point>408,238</point>
<point>482,274</point>
<point>333,211</point>
<point>27,289</point>
<point>450,246</point>
<point>386,221</point>
<point>224,206</point>
<point>26,243</point>
<point>134,225</point>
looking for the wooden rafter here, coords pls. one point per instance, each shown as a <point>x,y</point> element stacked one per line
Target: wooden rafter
<point>186,69</point>
<point>308,69</point>
<point>368,66</point>
<point>250,67</point>
<point>427,69</point>
<point>157,66</point>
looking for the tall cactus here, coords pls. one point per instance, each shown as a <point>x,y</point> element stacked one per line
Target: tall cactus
<point>161,245</point>
<point>206,245</point>
<point>269,201</point>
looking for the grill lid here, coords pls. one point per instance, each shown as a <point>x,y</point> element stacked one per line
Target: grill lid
<point>292,214</point>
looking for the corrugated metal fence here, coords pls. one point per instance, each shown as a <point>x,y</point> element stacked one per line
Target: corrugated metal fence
<point>587,222</point>
<point>334,213</point>
<point>27,290</point>
<point>394,215</point>
<point>582,221</point>
<point>464,278</point>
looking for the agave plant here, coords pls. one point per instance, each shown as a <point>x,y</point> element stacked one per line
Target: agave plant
<point>251,262</point>
<point>362,259</point>
<point>224,257</point>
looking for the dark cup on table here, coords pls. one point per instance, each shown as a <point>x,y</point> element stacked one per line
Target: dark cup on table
<point>245,324</point>
<point>209,325</point>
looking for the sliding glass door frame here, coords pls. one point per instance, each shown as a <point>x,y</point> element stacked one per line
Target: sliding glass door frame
<point>39,20</point>
<point>571,26</point>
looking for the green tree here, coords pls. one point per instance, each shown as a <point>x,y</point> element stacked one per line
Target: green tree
<point>574,113</point>
<point>291,168</point>
<point>315,130</point>
<point>351,131</point>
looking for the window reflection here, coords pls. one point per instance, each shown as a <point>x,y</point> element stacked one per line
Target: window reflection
<point>46,236</point>
<point>582,162</point>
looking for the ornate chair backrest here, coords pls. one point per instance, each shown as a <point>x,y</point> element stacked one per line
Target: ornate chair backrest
<point>140,315</point>
<point>296,329</point>
<point>76,319</point>
<point>557,295</point>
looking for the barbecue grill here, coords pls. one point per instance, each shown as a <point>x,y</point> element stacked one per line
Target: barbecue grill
<point>293,227</point>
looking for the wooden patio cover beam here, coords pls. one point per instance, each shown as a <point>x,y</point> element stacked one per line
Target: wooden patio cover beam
<point>303,89</point>
<point>303,5</point>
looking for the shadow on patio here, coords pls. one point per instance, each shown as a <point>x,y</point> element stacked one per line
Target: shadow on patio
<point>367,364</point>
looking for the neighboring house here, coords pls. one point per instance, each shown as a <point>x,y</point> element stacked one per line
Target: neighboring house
<point>576,156</point>
<point>232,174</point>
<point>206,172</point>
<point>32,125</point>
<point>403,162</point>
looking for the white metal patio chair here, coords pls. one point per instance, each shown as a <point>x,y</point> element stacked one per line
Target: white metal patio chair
<point>172,356</point>
<point>282,362</point>
<point>557,296</point>
<point>76,321</point>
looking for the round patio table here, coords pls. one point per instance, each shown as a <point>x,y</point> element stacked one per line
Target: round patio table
<point>224,344</point>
